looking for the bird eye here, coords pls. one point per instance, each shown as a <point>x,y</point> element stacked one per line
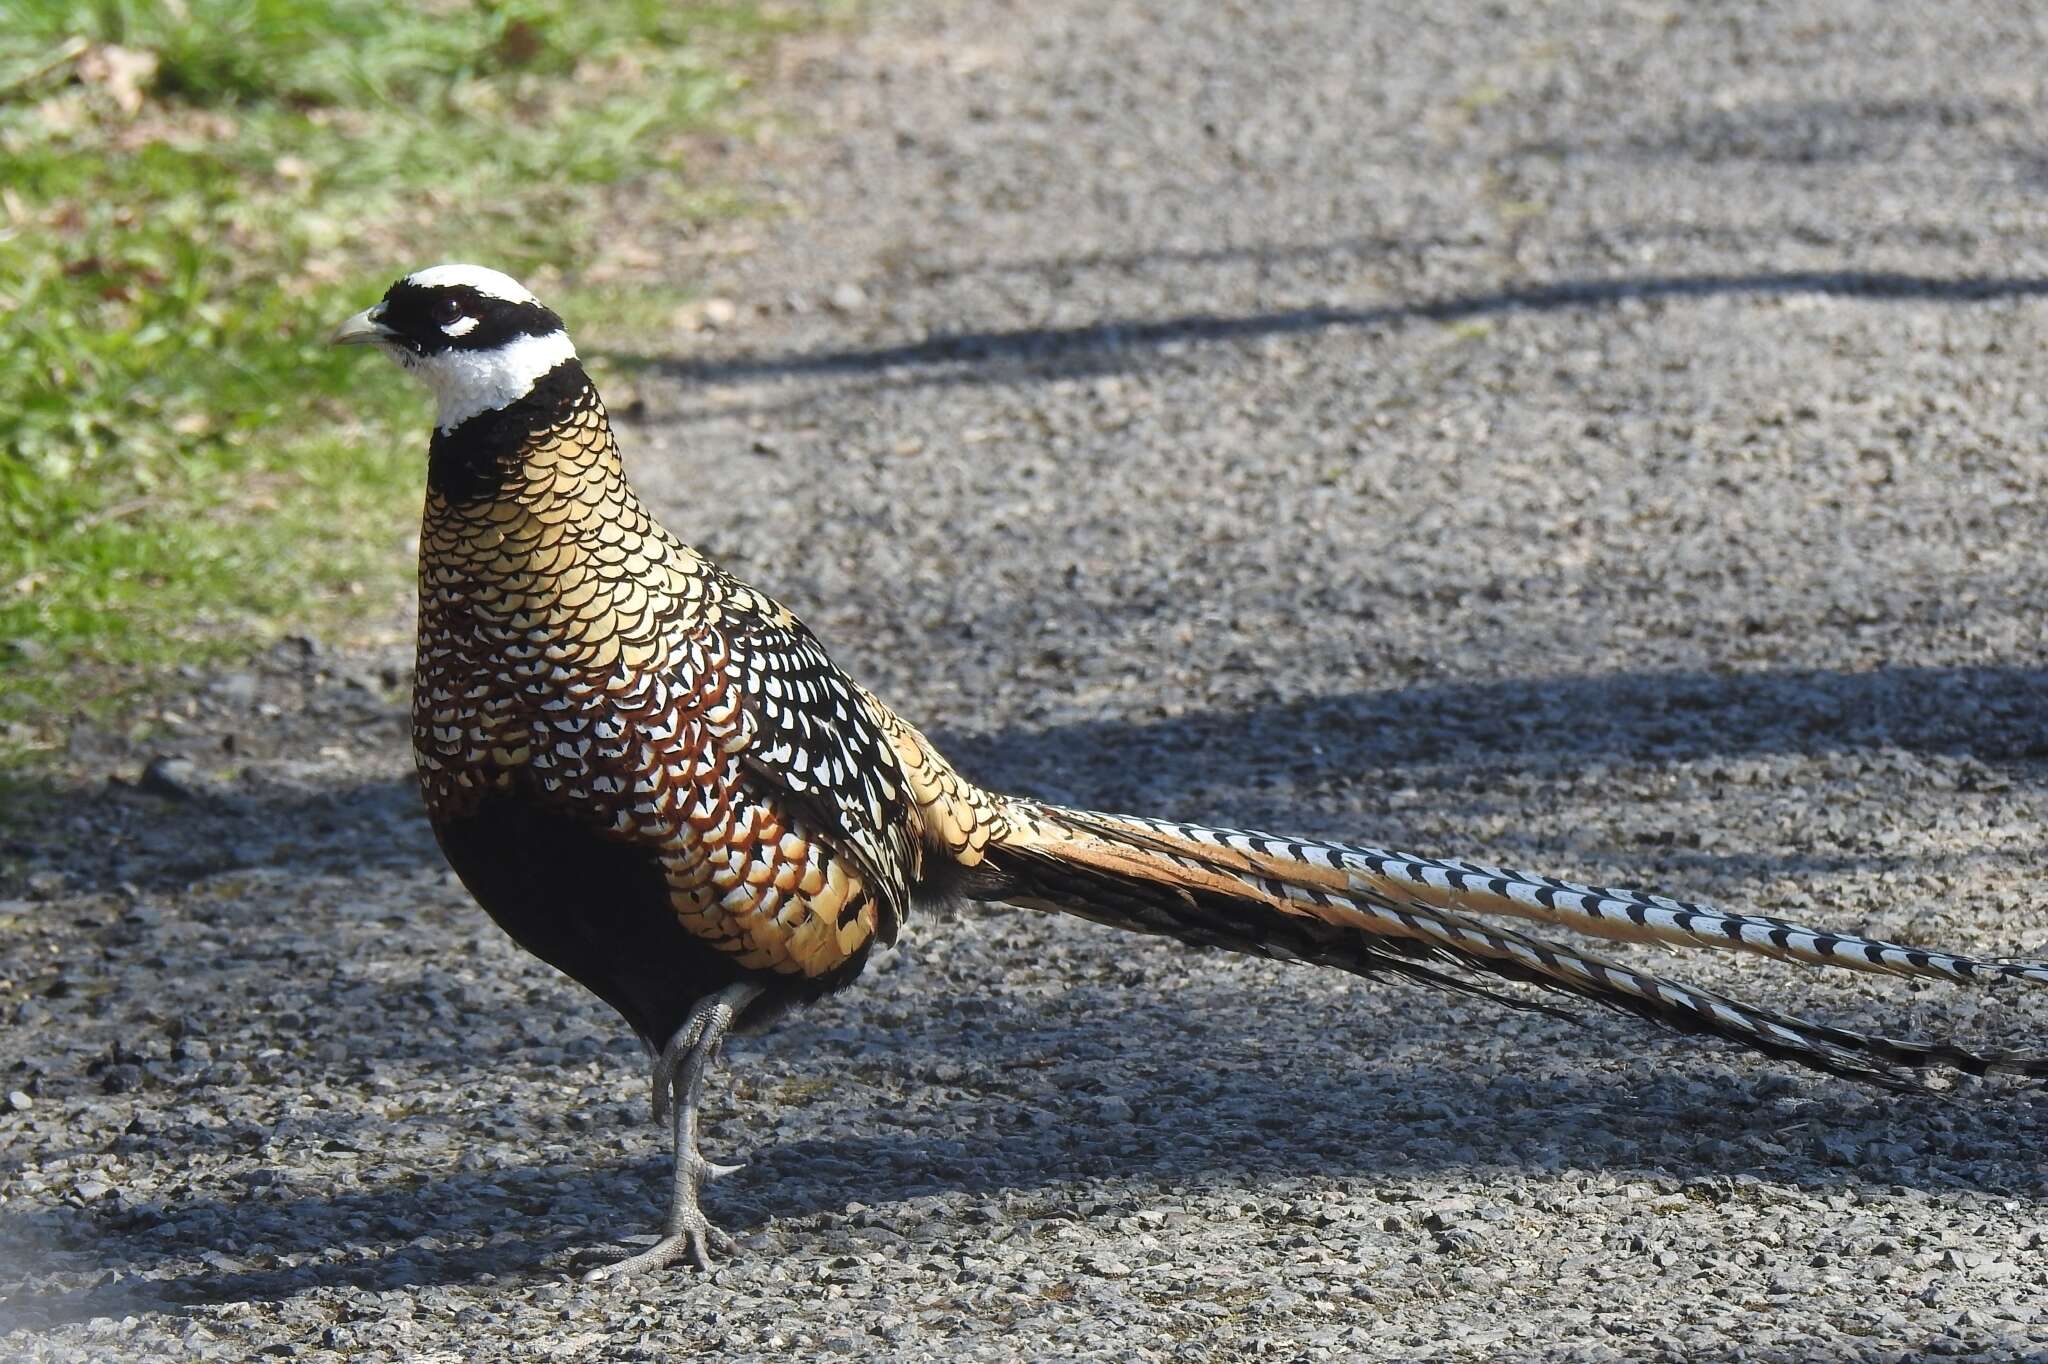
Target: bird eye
<point>447,310</point>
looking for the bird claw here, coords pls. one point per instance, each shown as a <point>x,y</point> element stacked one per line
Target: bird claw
<point>704,1171</point>
<point>678,1073</point>
<point>695,1239</point>
<point>689,1232</point>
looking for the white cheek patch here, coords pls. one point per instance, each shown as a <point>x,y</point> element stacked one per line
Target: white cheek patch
<point>466,382</point>
<point>461,326</point>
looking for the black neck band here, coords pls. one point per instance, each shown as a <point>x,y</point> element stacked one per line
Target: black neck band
<point>473,462</point>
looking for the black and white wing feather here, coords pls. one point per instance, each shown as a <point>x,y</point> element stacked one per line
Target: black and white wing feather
<point>818,749</point>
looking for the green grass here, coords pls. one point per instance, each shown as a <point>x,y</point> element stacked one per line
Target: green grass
<point>186,471</point>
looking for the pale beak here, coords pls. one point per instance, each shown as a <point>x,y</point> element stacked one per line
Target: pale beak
<point>362,329</point>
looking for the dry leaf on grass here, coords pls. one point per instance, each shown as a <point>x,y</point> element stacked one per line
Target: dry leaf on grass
<point>125,73</point>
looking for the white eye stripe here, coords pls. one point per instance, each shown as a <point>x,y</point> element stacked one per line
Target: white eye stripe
<point>461,326</point>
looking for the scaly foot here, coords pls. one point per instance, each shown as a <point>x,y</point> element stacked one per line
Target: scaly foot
<point>696,1238</point>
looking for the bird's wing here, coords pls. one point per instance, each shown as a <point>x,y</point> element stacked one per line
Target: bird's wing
<point>816,749</point>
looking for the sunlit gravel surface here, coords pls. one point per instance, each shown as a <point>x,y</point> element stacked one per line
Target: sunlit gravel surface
<point>1601,439</point>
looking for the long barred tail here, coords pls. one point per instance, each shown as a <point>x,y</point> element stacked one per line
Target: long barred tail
<point>1598,911</point>
<point>1373,912</point>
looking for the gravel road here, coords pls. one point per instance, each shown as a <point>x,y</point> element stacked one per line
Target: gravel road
<point>1600,438</point>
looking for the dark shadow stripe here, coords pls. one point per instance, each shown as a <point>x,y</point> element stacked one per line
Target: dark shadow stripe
<point>1050,344</point>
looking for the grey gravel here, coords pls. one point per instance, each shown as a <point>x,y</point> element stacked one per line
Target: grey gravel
<point>1605,439</point>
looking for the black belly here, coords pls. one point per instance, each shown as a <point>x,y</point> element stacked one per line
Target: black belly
<point>595,909</point>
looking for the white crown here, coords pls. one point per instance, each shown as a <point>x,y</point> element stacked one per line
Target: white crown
<point>484,280</point>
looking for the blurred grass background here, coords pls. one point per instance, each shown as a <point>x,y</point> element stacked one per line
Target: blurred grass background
<point>195,192</point>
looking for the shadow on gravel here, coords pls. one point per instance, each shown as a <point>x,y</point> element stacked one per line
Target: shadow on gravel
<point>1012,352</point>
<point>132,834</point>
<point>1541,727</point>
<point>1064,268</point>
<point>1996,715</point>
<point>1365,1106</point>
<point>1354,1115</point>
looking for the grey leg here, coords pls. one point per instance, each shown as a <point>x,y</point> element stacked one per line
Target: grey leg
<point>679,1074</point>
<point>668,1059</point>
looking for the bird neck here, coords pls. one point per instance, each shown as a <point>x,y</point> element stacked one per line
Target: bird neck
<point>549,443</point>
<point>518,494</point>
<point>534,545</point>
